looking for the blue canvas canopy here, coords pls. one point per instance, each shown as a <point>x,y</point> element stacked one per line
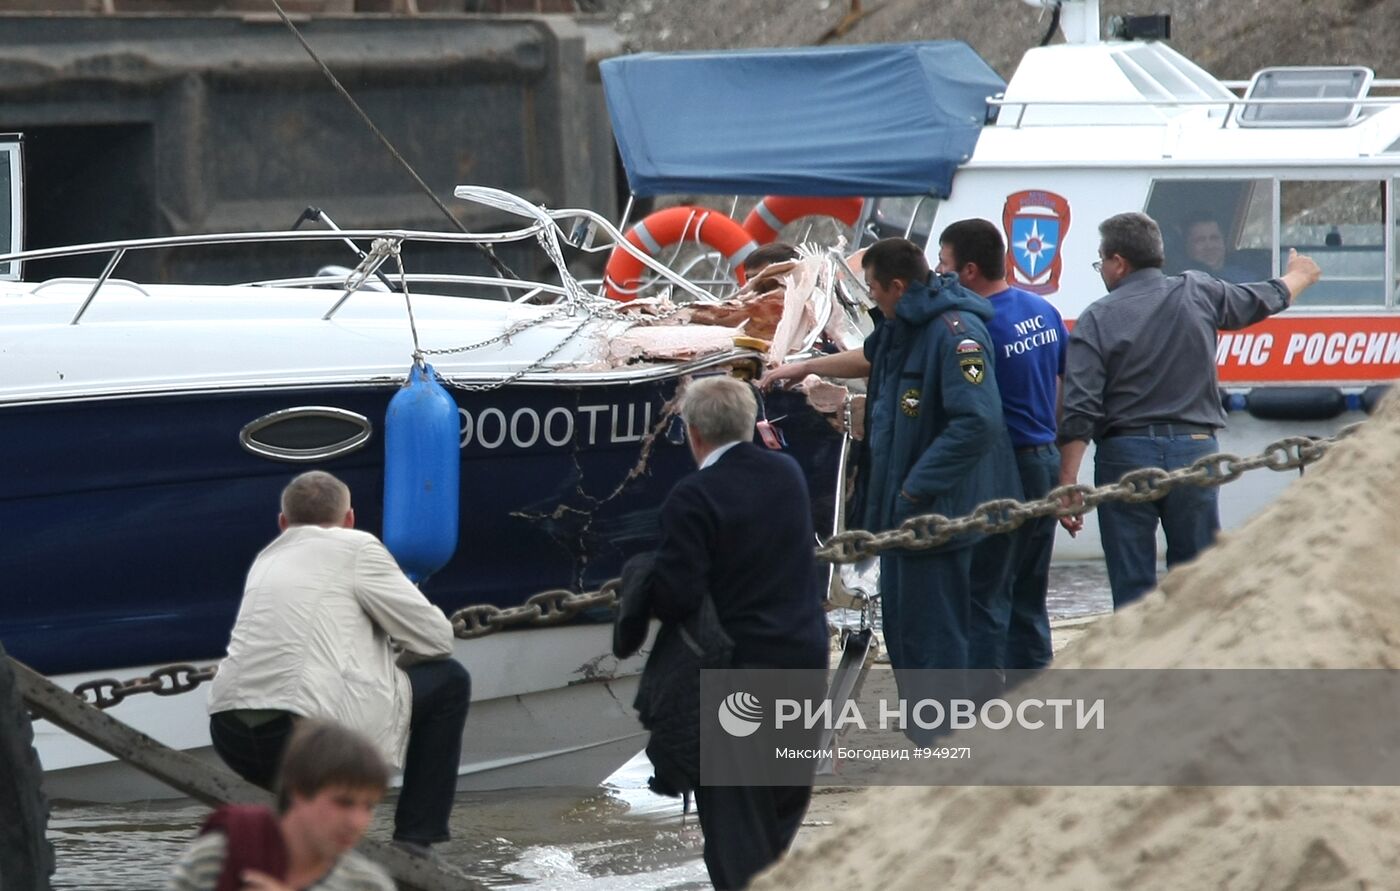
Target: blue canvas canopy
<point>887,119</point>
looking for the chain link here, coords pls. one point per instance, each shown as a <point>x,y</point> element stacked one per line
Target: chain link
<point>558,605</point>
<point>551,607</point>
<point>524,369</point>
<point>169,680</point>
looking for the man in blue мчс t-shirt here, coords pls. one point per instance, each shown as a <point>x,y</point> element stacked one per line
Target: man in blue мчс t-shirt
<point>1011,572</point>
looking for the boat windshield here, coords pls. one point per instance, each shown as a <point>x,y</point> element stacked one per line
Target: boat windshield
<point>10,205</point>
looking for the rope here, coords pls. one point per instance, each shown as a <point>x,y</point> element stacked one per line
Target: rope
<point>408,302</point>
<point>501,269</point>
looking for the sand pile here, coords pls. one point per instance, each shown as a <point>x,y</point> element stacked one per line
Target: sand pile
<point>1310,583</point>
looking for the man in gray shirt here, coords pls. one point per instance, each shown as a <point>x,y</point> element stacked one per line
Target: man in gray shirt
<point>1140,381</point>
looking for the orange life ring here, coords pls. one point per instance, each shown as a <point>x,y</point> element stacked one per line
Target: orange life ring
<point>776,211</point>
<point>669,226</point>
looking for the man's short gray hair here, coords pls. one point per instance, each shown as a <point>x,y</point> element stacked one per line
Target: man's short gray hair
<point>720,409</point>
<point>315,498</point>
<point>1135,237</point>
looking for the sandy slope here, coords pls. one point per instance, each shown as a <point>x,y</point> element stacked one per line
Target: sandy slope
<point>1310,583</point>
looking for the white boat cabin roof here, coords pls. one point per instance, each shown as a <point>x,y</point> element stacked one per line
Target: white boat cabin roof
<point>1127,103</point>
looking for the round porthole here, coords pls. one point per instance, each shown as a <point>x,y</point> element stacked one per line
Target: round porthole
<point>307,433</point>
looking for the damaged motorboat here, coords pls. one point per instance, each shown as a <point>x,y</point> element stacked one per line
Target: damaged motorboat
<point>151,428</point>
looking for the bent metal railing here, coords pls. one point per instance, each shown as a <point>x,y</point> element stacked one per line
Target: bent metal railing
<point>546,226</point>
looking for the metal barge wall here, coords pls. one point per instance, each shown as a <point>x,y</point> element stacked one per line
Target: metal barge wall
<point>145,124</point>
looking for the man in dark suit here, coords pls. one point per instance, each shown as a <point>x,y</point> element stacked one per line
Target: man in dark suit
<point>739,531</point>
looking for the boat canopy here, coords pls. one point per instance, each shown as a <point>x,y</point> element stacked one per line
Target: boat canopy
<point>888,119</point>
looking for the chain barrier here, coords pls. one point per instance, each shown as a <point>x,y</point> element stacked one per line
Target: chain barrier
<point>1006,515</point>
<point>558,605</point>
<point>551,607</point>
<point>170,680</point>
<point>932,530</point>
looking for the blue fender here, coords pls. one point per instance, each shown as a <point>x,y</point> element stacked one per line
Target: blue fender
<point>422,475</point>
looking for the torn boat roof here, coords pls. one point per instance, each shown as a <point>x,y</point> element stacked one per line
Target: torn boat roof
<point>889,119</point>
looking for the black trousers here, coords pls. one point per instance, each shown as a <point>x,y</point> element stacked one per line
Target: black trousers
<point>747,828</point>
<point>441,694</point>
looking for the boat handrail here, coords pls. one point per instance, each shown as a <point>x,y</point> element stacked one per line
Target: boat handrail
<point>397,237</point>
<point>82,280</point>
<point>310,281</point>
<point>544,226</point>
<point>1231,103</point>
<point>513,204</point>
<point>171,241</point>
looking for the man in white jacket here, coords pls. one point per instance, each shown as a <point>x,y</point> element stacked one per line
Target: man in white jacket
<point>325,614</point>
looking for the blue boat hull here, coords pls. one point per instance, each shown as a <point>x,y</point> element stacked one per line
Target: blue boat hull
<point>129,523</point>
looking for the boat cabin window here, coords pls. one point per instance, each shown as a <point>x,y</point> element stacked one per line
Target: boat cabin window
<point>1224,227</point>
<point>10,209</point>
<point>1341,225</point>
<point>1227,228</point>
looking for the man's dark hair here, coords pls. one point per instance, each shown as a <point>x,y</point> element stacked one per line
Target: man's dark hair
<point>1195,219</point>
<point>777,252</point>
<point>322,754</point>
<point>977,241</point>
<point>1134,237</point>
<point>892,258</point>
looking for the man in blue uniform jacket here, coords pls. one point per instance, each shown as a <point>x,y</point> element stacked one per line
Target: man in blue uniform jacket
<point>739,532</point>
<point>936,443</point>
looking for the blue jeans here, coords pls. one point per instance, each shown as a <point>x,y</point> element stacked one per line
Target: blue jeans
<point>1010,578</point>
<point>1189,515</point>
<point>441,692</point>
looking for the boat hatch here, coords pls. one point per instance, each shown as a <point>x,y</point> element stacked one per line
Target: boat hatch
<point>306,433</point>
<point>1334,84</point>
<point>11,204</point>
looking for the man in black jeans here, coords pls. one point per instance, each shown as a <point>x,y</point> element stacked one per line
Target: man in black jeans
<point>329,627</point>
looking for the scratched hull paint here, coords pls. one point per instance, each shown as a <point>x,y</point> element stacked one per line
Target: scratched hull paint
<point>134,520</point>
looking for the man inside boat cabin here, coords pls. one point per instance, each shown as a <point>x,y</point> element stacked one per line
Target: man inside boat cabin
<point>330,628</point>
<point>1140,381</point>
<point>1204,241</point>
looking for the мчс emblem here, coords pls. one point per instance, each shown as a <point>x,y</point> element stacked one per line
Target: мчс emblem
<point>1036,223</point>
<point>909,402</point>
<point>974,368</point>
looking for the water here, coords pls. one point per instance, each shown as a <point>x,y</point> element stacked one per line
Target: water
<point>1078,590</point>
<point>616,836</point>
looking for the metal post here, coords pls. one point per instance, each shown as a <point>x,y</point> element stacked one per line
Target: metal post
<point>101,280</point>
